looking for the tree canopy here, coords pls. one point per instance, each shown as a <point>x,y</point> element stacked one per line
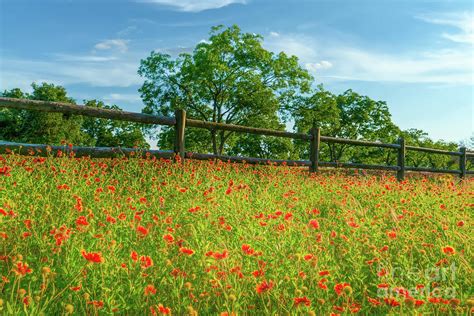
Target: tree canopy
<point>56,128</point>
<point>230,79</point>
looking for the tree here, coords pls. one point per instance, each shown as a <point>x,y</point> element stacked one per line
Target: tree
<point>110,133</point>
<point>56,128</point>
<point>348,115</point>
<point>230,79</point>
<point>41,127</point>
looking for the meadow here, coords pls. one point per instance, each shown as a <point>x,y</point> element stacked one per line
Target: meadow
<point>152,237</point>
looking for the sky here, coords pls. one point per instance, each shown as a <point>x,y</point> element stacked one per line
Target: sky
<point>418,56</point>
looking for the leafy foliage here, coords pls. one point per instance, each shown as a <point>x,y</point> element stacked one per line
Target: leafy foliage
<point>230,79</point>
<point>56,128</point>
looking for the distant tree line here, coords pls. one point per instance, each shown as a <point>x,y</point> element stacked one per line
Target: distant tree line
<point>57,128</point>
<point>231,78</point>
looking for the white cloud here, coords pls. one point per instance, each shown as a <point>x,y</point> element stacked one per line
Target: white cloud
<point>448,66</point>
<point>323,64</point>
<point>130,98</point>
<point>463,21</point>
<point>120,45</point>
<point>107,72</point>
<point>274,34</point>
<point>196,5</point>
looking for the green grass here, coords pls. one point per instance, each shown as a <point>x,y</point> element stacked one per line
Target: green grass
<point>211,238</point>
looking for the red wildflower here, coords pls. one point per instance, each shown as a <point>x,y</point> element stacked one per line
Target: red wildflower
<point>220,256</point>
<point>373,301</point>
<point>95,257</point>
<point>338,288</point>
<point>22,269</point>
<point>168,238</point>
<point>186,251</point>
<point>392,234</point>
<point>146,262</point>
<point>142,231</point>
<point>134,256</point>
<point>247,249</point>
<point>164,310</point>
<point>302,300</point>
<point>449,250</point>
<point>150,290</point>
<point>82,221</point>
<point>314,223</point>
<point>98,304</point>
<point>391,301</point>
<point>264,287</point>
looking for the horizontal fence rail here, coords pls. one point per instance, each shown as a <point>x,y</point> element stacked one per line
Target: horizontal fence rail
<point>180,122</point>
<point>66,108</point>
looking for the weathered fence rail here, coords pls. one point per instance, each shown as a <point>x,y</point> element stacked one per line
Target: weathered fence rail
<point>180,122</point>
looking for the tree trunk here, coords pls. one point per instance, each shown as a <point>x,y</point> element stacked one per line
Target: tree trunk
<point>214,142</point>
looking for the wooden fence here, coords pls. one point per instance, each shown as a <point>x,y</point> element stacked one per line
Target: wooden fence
<point>180,122</point>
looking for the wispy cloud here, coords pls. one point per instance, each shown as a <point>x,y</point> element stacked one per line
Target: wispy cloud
<point>462,21</point>
<point>120,45</point>
<point>324,64</point>
<point>331,60</point>
<point>120,97</point>
<point>195,5</point>
<point>66,70</point>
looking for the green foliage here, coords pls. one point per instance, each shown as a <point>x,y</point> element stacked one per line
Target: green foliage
<point>230,79</point>
<point>56,128</point>
<point>40,127</point>
<point>348,115</point>
<point>109,133</point>
<point>416,137</point>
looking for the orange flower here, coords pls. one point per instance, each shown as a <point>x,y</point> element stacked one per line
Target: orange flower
<point>314,223</point>
<point>264,287</point>
<point>391,234</point>
<point>164,310</point>
<point>186,251</point>
<point>82,221</point>
<point>449,250</point>
<point>302,300</point>
<point>150,290</point>
<point>95,257</point>
<point>168,238</point>
<point>338,288</point>
<point>146,262</point>
<point>22,269</point>
<point>142,231</point>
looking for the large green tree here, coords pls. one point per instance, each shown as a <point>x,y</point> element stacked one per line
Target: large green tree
<point>230,78</point>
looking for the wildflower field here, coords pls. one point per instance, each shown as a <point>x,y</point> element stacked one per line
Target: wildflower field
<point>146,236</point>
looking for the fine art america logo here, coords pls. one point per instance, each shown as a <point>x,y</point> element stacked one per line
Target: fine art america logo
<point>436,283</point>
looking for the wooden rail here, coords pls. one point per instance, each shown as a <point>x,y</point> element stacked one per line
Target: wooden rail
<point>180,122</point>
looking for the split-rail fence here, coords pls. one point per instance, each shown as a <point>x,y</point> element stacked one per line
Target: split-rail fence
<point>180,122</point>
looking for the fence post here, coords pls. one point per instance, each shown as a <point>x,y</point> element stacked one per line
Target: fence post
<point>462,162</point>
<point>314,149</point>
<point>401,159</point>
<point>180,116</point>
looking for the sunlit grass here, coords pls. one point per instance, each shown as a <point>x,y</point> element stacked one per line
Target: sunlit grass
<point>81,236</point>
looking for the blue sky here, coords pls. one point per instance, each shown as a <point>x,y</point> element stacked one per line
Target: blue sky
<point>416,55</point>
